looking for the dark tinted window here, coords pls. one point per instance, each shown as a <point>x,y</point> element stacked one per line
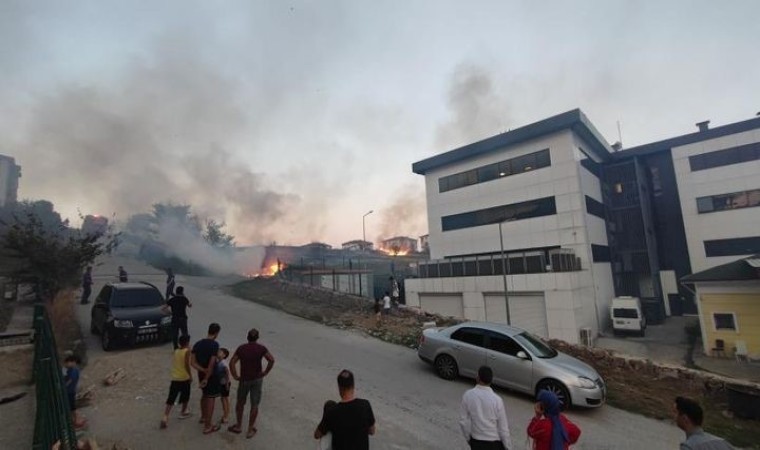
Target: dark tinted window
<point>625,313</point>
<point>471,336</point>
<point>733,247</point>
<point>493,171</point>
<point>600,253</point>
<point>594,208</point>
<point>729,156</point>
<point>503,344</point>
<point>724,321</point>
<point>535,345</point>
<point>136,298</point>
<point>516,211</point>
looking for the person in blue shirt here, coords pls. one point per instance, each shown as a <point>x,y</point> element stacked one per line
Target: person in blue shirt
<point>72,383</point>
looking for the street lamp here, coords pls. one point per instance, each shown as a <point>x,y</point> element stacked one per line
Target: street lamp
<point>364,230</point>
<point>504,264</point>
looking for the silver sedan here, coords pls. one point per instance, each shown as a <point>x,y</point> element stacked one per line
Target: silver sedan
<point>520,361</point>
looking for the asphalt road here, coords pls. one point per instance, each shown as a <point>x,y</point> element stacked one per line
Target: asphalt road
<point>414,408</point>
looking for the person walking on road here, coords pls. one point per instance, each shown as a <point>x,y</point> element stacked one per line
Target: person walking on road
<point>123,277</point>
<point>250,378</point>
<point>482,417</point>
<point>351,422</point>
<point>689,416</point>
<point>169,283</point>
<point>204,359</point>
<point>178,306</point>
<point>86,285</point>
<point>549,429</point>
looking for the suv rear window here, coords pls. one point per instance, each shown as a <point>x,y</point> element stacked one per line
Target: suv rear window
<point>136,298</point>
<point>625,313</point>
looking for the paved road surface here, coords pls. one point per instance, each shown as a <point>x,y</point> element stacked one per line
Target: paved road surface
<point>414,408</point>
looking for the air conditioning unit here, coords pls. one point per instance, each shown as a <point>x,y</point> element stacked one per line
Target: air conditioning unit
<point>587,337</point>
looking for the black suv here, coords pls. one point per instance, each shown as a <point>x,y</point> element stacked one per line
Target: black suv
<point>130,313</point>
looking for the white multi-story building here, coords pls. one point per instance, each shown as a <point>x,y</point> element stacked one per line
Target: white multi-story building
<point>583,222</point>
<point>534,182</point>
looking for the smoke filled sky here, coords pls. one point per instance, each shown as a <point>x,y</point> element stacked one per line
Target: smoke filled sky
<point>290,120</point>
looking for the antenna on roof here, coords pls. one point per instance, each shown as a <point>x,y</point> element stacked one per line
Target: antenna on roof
<point>620,134</point>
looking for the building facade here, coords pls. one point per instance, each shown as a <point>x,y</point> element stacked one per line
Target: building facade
<point>10,173</point>
<point>568,222</point>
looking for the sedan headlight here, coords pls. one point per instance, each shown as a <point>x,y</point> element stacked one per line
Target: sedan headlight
<point>122,323</point>
<point>166,320</point>
<point>586,383</point>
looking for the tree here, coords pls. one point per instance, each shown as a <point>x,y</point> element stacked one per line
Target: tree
<point>50,256</point>
<point>215,236</point>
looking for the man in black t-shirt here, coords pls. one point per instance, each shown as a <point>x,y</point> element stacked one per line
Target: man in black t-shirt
<point>351,421</point>
<point>178,305</point>
<point>204,359</point>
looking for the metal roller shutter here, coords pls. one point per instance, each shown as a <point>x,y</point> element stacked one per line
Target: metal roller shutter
<point>526,311</point>
<point>443,304</point>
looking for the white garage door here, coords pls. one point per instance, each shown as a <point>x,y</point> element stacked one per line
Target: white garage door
<point>443,304</point>
<point>526,311</point>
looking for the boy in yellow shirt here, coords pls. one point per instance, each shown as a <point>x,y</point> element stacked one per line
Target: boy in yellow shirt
<point>181,380</point>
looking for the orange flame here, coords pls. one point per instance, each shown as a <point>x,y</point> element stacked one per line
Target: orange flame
<point>394,252</point>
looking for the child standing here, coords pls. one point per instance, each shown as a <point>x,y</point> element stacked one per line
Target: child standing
<point>181,380</point>
<point>223,372</point>
<point>72,383</point>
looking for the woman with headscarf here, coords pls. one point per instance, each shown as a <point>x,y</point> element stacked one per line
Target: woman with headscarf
<point>549,429</point>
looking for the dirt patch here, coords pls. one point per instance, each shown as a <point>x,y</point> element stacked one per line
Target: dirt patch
<point>402,327</point>
<point>645,388</point>
<point>63,319</point>
<point>16,362</point>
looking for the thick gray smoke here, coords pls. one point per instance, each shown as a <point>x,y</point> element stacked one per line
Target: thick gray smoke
<point>186,245</point>
<point>162,132</point>
<point>478,108</point>
<point>404,215</point>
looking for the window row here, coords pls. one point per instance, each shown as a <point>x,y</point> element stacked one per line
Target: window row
<point>494,171</point>
<point>555,260</point>
<point>735,200</point>
<point>733,247</point>
<point>517,211</point>
<point>727,157</point>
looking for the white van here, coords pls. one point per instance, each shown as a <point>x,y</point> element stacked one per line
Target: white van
<point>627,316</point>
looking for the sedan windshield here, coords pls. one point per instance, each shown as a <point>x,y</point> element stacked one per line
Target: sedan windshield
<point>136,298</point>
<point>535,345</point>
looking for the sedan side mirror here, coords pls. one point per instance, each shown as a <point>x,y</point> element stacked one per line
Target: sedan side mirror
<point>522,355</point>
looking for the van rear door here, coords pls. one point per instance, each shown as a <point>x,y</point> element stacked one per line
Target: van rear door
<point>626,318</point>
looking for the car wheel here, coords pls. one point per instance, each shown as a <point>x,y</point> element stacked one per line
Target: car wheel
<point>558,389</point>
<point>446,367</point>
<point>105,341</point>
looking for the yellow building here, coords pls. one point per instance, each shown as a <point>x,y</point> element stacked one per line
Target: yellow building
<point>728,301</point>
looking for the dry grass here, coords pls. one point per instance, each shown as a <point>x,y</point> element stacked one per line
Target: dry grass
<point>68,334</point>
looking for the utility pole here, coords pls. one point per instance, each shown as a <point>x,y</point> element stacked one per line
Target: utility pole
<point>364,231</point>
<point>504,264</point>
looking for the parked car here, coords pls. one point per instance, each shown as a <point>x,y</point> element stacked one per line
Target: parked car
<point>520,361</point>
<point>627,316</point>
<point>129,313</point>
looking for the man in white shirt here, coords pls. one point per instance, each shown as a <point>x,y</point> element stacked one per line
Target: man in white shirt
<point>482,416</point>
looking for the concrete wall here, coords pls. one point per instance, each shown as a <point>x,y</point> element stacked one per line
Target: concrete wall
<point>718,180</point>
<point>569,297</point>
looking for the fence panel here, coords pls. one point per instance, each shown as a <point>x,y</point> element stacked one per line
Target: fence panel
<point>53,416</point>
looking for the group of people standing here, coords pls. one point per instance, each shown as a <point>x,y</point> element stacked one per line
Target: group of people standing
<point>483,421</point>
<point>215,375</point>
